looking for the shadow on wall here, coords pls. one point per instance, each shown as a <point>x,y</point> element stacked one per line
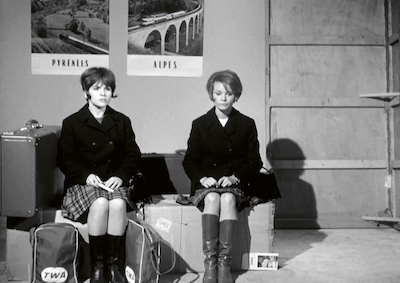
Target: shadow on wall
<point>297,208</point>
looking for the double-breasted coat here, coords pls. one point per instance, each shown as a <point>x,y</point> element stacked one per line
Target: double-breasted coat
<point>107,149</point>
<point>216,151</point>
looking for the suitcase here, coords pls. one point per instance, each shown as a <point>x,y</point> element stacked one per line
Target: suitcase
<point>29,174</point>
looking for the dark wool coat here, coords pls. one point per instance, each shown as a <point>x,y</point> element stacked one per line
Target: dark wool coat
<point>107,149</point>
<point>216,151</point>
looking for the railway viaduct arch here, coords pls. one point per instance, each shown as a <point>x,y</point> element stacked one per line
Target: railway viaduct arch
<point>169,36</point>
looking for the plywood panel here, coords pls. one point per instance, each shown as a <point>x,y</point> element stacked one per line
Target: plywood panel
<point>395,151</point>
<point>395,131</point>
<point>396,192</point>
<point>394,17</point>
<point>327,71</point>
<point>395,53</point>
<point>395,110</point>
<point>328,134</point>
<point>355,20</point>
<point>329,147</point>
<point>329,198</point>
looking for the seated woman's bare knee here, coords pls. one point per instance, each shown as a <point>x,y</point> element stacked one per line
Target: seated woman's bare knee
<point>228,199</point>
<point>212,199</point>
<point>117,205</point>
<point>100,204</point>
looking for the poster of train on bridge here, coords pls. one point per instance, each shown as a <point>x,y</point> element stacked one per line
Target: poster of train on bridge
<point>69,36</point>
<point>165,38</point>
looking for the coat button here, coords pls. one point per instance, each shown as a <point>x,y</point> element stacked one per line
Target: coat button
<point>94,143</point>
<point>110,143</point>
<point>215,165</point>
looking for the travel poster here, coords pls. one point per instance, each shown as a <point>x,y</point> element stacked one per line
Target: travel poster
<point>165,38</point>
<point>69,36</point>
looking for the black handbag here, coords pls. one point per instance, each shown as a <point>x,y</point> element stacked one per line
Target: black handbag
<point>263,188</point>
<point>139,191</point>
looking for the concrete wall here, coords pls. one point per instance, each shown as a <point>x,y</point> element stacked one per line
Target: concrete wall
<point>161,108</point>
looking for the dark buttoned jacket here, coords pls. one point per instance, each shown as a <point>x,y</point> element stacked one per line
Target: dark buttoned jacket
<point>106,149</point>
<point>216,151</point>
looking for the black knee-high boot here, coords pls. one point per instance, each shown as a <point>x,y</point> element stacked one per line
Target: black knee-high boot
<point>96,246</point>
<point>113,259</point>
<point>210,227</point>
<point>227,232</point>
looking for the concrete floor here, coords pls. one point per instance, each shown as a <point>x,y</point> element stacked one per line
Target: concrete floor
<point>308,256</point>
<point>334,255</point>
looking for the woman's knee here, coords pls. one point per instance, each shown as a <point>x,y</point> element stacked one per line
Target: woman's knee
<point>228,200</point>
<point>211,203</point>
<point>117,206</point>
<point>212,199</point>
<point>99,205</point>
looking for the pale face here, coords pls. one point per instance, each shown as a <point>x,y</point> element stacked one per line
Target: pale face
<point>223,98</point>
<point>100,95</point>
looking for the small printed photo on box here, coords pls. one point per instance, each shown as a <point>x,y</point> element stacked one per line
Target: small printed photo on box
<point>263,261</point>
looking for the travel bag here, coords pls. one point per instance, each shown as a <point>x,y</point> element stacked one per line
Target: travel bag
<point>143,253</point>
<point>55,253</point>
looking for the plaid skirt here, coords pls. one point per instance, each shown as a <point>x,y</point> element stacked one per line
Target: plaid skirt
<point>199,195</point>
<point>79,198</point>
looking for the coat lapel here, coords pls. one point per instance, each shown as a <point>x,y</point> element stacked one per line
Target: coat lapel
<point>230,127</point>
<point>214,125</point>
<point>105,126</point>
<point>109,119</point>
<point>233,122</point>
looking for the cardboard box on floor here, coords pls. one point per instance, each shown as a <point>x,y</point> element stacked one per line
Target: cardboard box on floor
<point>18,256</point>
<point>180,226</point>
<point>165,215</point>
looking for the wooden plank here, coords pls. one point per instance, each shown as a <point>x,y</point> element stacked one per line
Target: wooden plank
<point>381,219</point>
<point>325,72</point>
<point>278,101</point>
<point>317,20</point>
<point>394,28</point>
<point>327,40</point>
<point>395,63</point>
<point>386,96</point>
<point>329,164</point>
<point>396,192</point>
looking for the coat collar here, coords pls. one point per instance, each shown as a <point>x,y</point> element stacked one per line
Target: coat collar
<point>215,125</point>
<point>110,118</point>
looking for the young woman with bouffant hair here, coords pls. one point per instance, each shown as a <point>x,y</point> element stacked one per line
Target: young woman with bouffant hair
<point>222,157</point>
<point>98,155</point>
